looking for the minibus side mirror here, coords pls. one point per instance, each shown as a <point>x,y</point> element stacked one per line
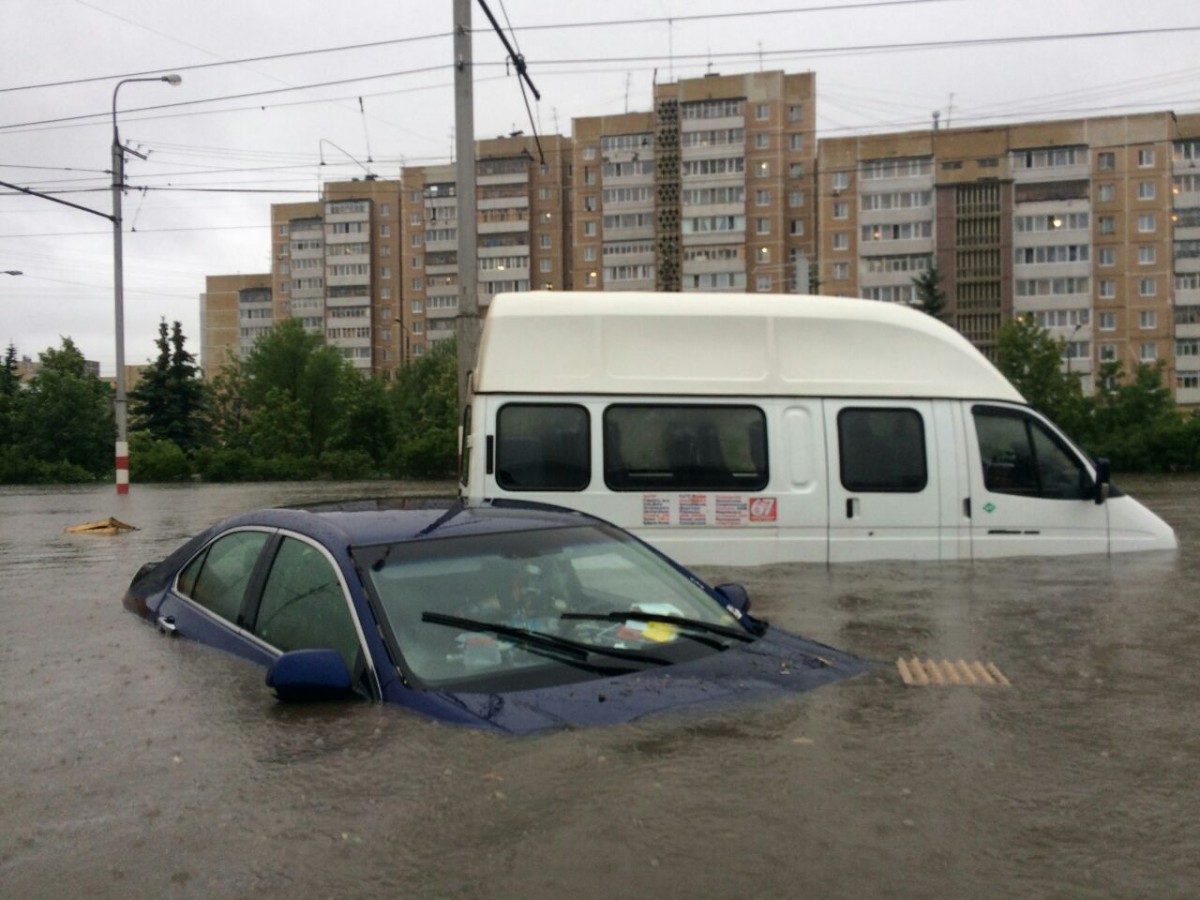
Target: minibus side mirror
<point>1103,479</point>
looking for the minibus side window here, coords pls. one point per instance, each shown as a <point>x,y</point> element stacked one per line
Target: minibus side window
<point>882,450</point>
<point>1021,456</point>
<point>650,447</point>
<point>543,447</point>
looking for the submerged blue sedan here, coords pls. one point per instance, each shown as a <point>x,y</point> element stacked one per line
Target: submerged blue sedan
<point>512,617</point>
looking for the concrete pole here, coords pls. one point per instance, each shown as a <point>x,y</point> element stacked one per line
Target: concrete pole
<point>119,405</point>
<point>467,324</point>
<point>118,184</point>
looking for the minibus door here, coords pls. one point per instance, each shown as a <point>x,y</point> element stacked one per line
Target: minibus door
<point>1031,492</point>
<point>884,479</point>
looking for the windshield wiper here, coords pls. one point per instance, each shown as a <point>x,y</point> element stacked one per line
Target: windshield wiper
<point>582,652</point>
<point>637,615</point>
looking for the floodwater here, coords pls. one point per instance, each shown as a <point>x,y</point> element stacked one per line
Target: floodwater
<point>132,765</point>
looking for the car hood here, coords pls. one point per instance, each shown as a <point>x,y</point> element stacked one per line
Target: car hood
<point>777,663</point>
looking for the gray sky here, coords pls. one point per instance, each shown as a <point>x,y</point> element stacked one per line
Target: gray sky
<point>260,104</point>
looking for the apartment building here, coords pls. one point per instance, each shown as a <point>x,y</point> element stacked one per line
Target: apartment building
<point>734,182</point>
<point>1078,224</point>
<point>235,311</point>
<point>522,214</point>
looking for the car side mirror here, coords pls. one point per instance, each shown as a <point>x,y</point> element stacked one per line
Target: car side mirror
<point>735,596</point>
<point>304,675</point>
<point>1103,479</point>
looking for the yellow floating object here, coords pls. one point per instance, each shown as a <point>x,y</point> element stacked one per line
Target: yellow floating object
<point>921,673</point>
<point>103,526</point>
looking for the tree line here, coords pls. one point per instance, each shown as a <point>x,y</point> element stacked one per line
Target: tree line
<point>293,408</point>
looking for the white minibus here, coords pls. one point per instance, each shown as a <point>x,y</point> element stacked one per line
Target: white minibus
<point>746,429</point>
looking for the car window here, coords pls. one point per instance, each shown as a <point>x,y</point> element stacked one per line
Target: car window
<point>882,450</point>
<point>685,447</point>
<point>1020,456</point>
<point>218,577</point>
<point>303,604</point>
<point>542,447</point>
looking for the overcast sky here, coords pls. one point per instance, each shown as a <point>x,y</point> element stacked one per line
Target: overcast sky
<point>272,86</point>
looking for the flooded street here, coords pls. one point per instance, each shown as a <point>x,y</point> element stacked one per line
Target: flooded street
<point>132,765</point>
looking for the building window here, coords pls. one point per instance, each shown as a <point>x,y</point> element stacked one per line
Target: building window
<point>1148,287</point>
<point>1108,321</point>
<point>589,176</point>
<point>1106,225</point>
<point>795,170</point>
<point>796,113</point>
<point>1145,159</point>
<point>1108,288</point>
<point>385,271</point>
<point>1106,162</point>
<point>418,306</point>
<point>841,271</point>
<point>589,254</point>
<point>764,283</point>
<point>589,153</point>
<point>418,284</point>
<point>385,293</point>
<point>762,226</point>
<point>762,141</point>
<point>1148,318</point>
<point>1148,352</point>
<point>762,198</point>
<point>1108,352</point>
<point>544,241</point>
<point>795,199</point>
<point>796,227</point>
<point>415,240</point>
<point>841,181</point>
<point>415,218</point>
<point>764,169</point>
<point>1147,190</point>
<point>1107,256</point>
<point>544,193</point>
<point>796,142</point>
<point>589,229</point>
<point>385,230</point>
<point>762,112</point>
<point>546,265</point>
<point>418,262</point>
<point>841,210</point>
<point>1107,193</point>
<point>841,241</point>
<point>1147,255</point>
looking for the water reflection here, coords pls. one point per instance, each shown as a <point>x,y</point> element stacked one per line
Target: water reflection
<point>136,764</point>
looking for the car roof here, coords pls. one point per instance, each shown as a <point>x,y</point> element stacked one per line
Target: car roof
<point>371,522</point>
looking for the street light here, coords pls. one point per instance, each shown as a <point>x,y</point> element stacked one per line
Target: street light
<point>118,184</point>
<point>1070,340</point>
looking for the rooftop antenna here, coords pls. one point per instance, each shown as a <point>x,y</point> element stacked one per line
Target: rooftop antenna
<point>627,76</point>
<point>936,115</point>
<point>949,109</point>
<point>760,56</point>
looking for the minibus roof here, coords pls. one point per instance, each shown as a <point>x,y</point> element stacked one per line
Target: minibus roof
<point>634,343</point>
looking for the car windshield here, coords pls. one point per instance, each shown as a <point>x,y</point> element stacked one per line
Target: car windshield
<point>532,608</point>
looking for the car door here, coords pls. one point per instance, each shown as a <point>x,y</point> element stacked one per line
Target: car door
<point>884,490</point>
<point>207,602</point>
<point>1032,493</point>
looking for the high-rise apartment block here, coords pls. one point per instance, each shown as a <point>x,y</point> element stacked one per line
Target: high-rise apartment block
<point>1090,227</point>
<point>1081,225</point>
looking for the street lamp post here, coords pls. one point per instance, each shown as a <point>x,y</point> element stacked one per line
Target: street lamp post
<point>118,184</point>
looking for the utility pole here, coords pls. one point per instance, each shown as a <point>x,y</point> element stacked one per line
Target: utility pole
<point>467,325</point>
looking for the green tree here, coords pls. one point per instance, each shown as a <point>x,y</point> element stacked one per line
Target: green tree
<point>292,364</point>
<point>931,299</point>
<point>425,398</point>
<point>10,386</point>
<point>227,410</point>
<point>1137,424</point>
<point>1031,359</point>
<point>168,402</point>
<point>366,423</point>
<point>65,416</point>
